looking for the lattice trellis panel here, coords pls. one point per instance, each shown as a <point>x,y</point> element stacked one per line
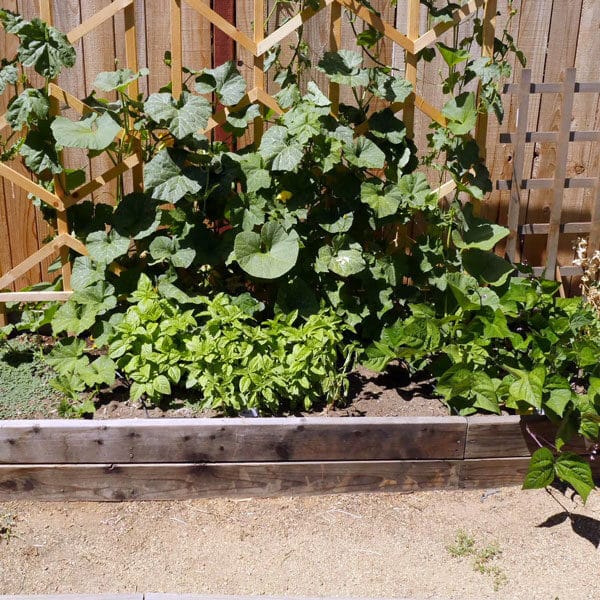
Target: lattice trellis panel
<point>412,41</point>
<point>556,185</point>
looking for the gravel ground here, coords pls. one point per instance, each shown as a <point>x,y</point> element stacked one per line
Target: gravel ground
<point>371,545</point>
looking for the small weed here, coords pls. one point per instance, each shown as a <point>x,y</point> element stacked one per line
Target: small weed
<point>464,546</point>
<point>7,523</point>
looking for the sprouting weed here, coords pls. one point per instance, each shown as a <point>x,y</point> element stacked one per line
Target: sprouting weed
<point>464,546</point>
<point>590,280</point>
<point>7,523</point>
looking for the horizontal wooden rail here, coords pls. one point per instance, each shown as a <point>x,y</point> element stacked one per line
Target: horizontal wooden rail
<point>160,459</point>
<point>551,136</point>
<point>553,88</point>
<point>548,184</point>
<point>542,228</point>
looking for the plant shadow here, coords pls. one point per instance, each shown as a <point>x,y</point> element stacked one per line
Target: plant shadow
<point>585,527</point>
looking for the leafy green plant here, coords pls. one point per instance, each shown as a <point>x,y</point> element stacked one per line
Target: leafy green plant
<point>219,349</point>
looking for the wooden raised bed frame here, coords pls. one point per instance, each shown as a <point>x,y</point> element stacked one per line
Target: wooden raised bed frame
<point>176,459</point>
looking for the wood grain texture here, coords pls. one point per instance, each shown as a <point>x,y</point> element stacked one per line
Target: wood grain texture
<point>512,436</point>
<point>120,482</point>
<point>231,440</point>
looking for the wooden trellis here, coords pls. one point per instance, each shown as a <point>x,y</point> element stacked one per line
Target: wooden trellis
<point>412,41</point>
<point>567,88</point>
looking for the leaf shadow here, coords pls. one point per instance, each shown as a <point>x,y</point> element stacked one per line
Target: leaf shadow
<point>585,527</point>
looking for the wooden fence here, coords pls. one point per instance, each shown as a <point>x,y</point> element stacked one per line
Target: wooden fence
<point>553,35</point>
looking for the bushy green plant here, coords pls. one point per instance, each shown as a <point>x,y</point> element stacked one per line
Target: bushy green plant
<point>232,360</point>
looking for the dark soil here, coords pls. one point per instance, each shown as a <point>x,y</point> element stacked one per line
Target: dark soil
<point>389,394</point>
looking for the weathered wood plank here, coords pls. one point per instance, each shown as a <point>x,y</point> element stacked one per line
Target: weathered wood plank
<point>231,440</point>
<point>492,472</point>
<point>118,482</point>
<point>499,437</point>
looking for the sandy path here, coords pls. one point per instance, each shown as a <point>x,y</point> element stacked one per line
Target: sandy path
<point>386,545</point>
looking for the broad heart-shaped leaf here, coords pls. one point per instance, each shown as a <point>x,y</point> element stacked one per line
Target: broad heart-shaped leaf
<point>384,202</point>
<point>393,89</point>
<point>39,152</point>
<point>226,81</point>
<point>452,56</point>
<point>101,371</point>
<point>461,113</point>
<point>136,216</point>
<point>529,386</point>
<point>108,81</point>
<point>540,473</point>
<point>45,49</point>
<point>73,318</point>
<point>85,273</point>
<point>165,179</point>
<point>416,191</point>
<point>365,154</point>
<point>347,262</point>
<point>267,255</point>
<point>92,133</point>
<point>486,266</point>
<point>104,247</point>
<point>8,76</point>
<point>286,155</point>
<point>344,67</point>
<point>182,118</point>
<point>164,248</point>
<point>576,471</point>
<point>257,177</point>
<point>478,233</point>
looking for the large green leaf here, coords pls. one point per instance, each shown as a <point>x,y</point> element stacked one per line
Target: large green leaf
<point>575,470</point>
<point>540,473</point>
<point>383,201</point>
<point>486,266</point>
<point>182,118</point>
<point>267,255</point>
<point>164,248</point>
<point>345,67</point>
<point>225,80</point>
<point>164,177</point>
<point>92,132</point>
<point>85,273</point>
<point>286,155</point>
<point>136,216</point>
<point>104,247</point>
<point>108,81</point>
<point>8,76</point>
<point>478,233</point>
<point>257,177</point>
<point>347,262</point>
<point>44,48</point>
<point>452,56</point>
<point>393,89</point>
<point>364,153</point>
<point>416,192</point>
<point>529,386</point>
<point>461,113</point>
<point>39,152</point>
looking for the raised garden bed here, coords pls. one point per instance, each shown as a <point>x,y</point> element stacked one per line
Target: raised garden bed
<point>176,459</point>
